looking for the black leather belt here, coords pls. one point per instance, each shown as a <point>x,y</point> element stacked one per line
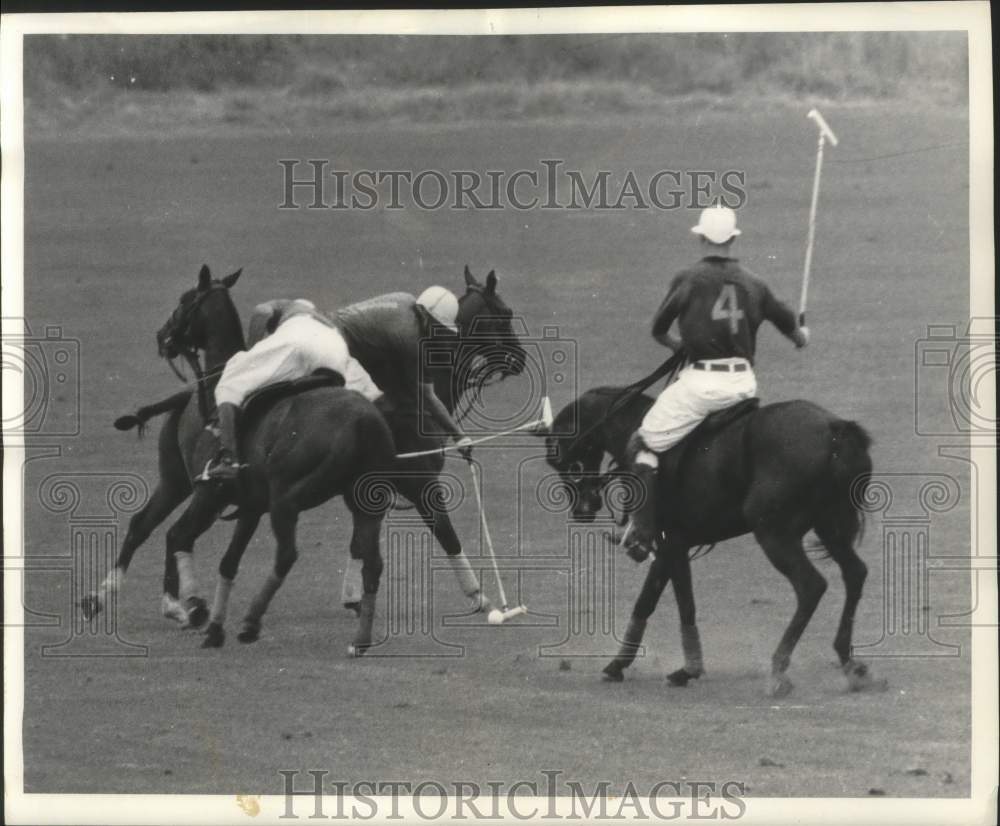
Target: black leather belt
<point>715,367</point>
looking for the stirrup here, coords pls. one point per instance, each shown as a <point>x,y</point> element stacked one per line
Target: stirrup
<point>212,467</point>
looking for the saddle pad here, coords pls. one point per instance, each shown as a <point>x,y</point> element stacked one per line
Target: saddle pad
<point>270,393</point>
<point>675,461</point>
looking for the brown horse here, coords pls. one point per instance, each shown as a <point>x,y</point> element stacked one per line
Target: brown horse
<point>485,350</point>
<point>775,471</point>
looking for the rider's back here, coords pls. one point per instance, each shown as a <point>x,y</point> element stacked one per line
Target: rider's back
<point>719,308</point>
<point>383,334</point>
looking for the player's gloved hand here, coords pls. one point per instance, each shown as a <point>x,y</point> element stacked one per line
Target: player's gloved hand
<point>464,445</point>
<point>801,337</point>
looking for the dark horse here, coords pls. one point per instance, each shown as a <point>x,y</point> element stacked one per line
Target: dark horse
<point>776,471</point>
<point>303,449</point>
<point>486,349</point>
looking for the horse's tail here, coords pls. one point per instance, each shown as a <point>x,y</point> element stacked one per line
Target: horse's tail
<point>851,468</point>
<point>138,419</point>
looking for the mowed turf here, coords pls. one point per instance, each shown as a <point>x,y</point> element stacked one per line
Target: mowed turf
<point>117,229</point>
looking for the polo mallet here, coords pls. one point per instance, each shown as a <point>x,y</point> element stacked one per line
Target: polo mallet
<point>542,424</point>
<point>501,615</point>
<point>825,133</point>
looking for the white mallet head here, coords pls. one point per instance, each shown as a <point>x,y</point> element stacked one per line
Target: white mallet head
<point>824,127</point>
<point>547,413</point>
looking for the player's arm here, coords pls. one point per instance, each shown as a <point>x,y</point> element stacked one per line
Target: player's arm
<point>667,314</point>
<point>434,407</point>
<point>782,317</point>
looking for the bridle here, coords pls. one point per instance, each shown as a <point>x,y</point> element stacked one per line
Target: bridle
<point>179,338</point>
<point>471,390</point>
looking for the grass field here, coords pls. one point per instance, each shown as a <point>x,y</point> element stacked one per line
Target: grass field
<point>116,229</point>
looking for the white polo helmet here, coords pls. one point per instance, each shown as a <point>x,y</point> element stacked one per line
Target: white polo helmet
<point>441,304</point>
<point>716,224</point>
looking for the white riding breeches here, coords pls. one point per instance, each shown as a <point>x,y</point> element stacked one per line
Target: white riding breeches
<point>695,394</point>
<point>300,345</point>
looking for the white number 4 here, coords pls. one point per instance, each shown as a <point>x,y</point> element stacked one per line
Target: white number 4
<point>727,308</point>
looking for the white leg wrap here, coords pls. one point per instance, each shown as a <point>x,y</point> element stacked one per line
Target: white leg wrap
<point>648,458</point>
<point>353,584</point>
<point>172,610</point>
<point>466,577</point>
<point>113,582</point>
<point>221,602</point>
<point>185,573</point>
<point>691,643</point>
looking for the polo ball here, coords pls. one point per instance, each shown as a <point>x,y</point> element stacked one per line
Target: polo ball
<point>495,617</point>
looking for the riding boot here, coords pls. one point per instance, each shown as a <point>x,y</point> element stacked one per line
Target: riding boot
<point>644,531</point>
<point>226,467</point>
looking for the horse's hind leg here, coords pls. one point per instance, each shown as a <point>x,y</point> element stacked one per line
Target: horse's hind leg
<point>854,572</point>
<point>785,552</point>
<point>656,580</point>
<point>215,636</point>
<point>365,547</point>
<point>284,520</point>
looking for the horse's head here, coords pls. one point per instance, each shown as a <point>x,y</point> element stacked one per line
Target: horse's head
<point>205,319</point>
<point>578,463</point>
<point>485,324</point>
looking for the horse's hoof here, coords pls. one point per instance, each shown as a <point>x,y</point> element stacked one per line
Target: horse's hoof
<point>358,649</point>
<point>353,606</point>
<point>197,612</point>
<point>637,554</point>
<point>248,635</point>
<point>215,636</point>
<point>859,678</point>
<point>90,606</point>
<point>781,686</point>
<point>612,673</point>
<point>681,677</point>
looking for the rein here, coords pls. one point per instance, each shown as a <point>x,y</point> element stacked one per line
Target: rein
<point>669,369</point>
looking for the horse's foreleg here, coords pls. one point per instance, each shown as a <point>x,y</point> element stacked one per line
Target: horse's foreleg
<point>787,555</point>
<point>656,580</point>
<point>428,497</point>
<point>365,546</point>
<point>215,636</point>
<point>283,524</point>
<point>690,641</point>
<point>167,496</point>
<point>178,579</point>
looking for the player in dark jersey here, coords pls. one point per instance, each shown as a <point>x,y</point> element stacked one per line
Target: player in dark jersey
<point>717,307</point>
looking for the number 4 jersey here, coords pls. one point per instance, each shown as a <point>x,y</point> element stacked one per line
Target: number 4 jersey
<point>718,307</point>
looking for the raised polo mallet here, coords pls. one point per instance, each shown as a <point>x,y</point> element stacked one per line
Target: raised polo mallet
<point>825,134</point>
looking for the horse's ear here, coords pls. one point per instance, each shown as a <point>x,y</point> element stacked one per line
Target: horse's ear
<point>491,283</point>
<point>470,279</point>
<point>204,277</point>
<point>229,280</point>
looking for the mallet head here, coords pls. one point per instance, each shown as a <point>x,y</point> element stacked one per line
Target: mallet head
<point>824,127</point>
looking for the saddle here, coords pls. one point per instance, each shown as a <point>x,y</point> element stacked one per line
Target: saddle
<point>265,396</point>
<point>676,459</point>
